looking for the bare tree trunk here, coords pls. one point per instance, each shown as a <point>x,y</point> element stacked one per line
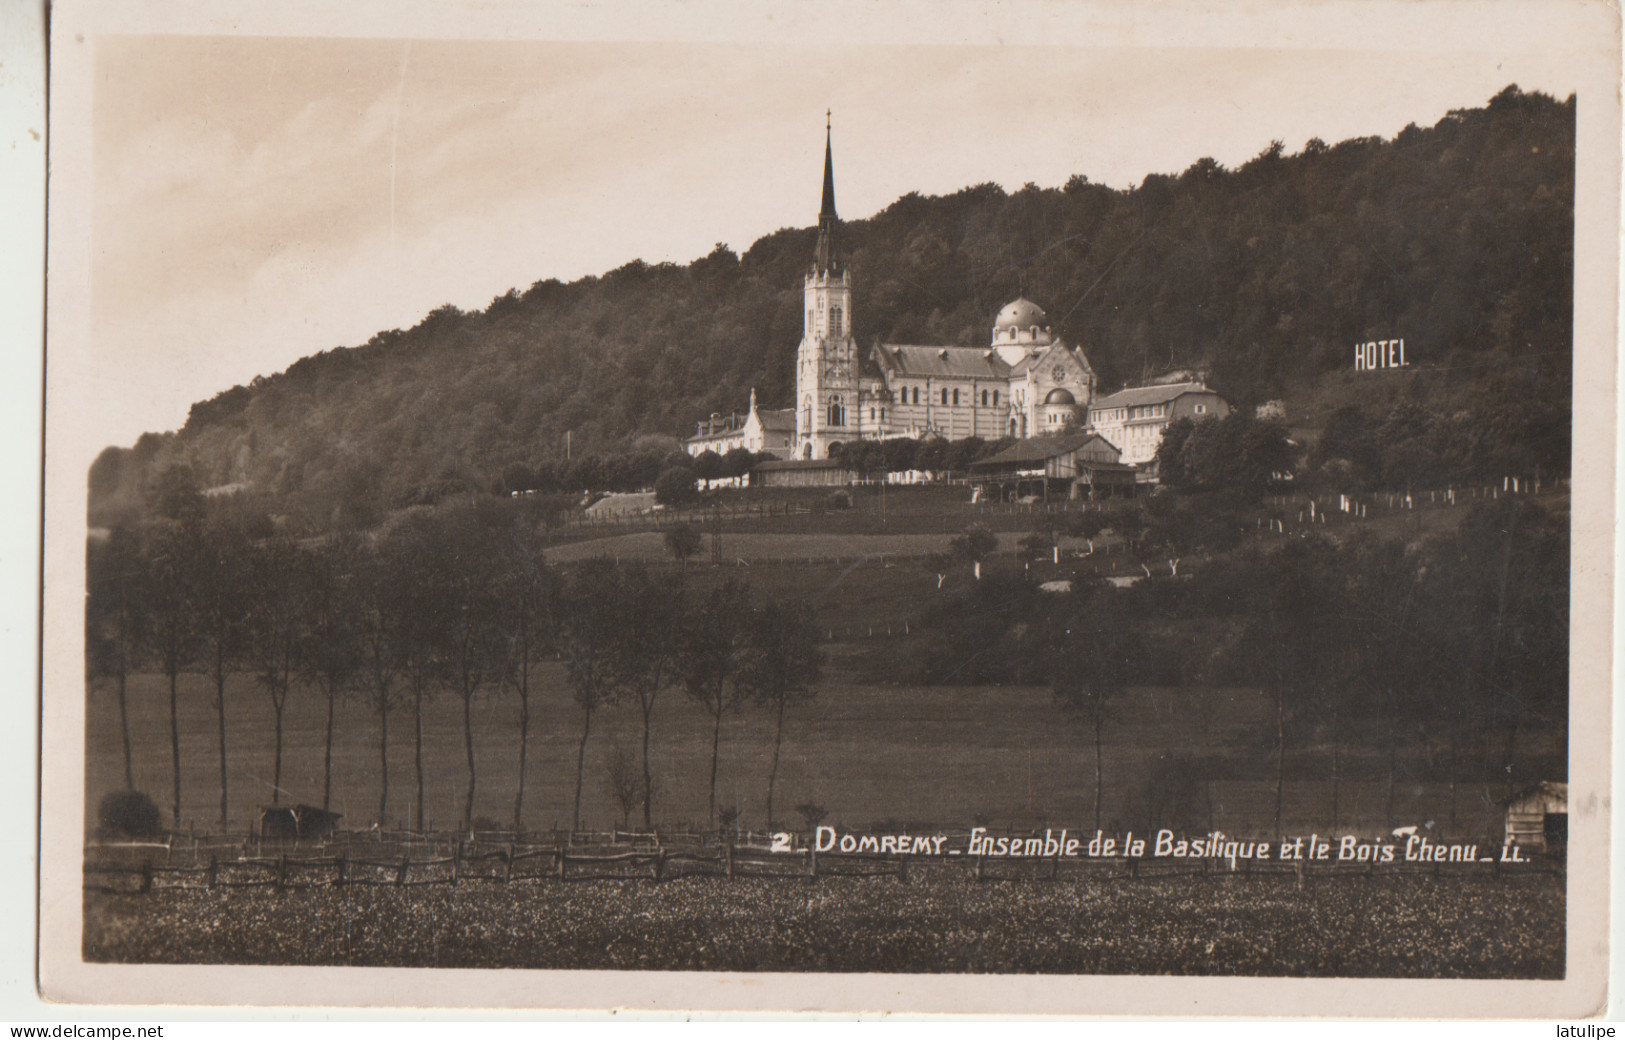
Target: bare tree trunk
<point>327,758</point>
<point>1455,758</point>
<point>276,776</point>
<point>124,717</point>
<point>524,744</point>
<point>1337,755</point>
<point>581,765</point>
<point>716,743</point>
<point>468,749</point>
<point>383,756</point>
<point>220,715</point>
<point>1280,756</point>
<point>1393,758</point>
<point>1099,722</point>
<point>175,746</point>
<point>648,792</point>
<point>772,777</point>
<point>417,720</point>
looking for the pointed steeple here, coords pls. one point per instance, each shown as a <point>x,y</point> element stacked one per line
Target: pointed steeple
<point>824,260</point>
<point>826,211</point>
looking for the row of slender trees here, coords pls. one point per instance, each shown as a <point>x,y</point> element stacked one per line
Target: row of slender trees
<point>450,602</point>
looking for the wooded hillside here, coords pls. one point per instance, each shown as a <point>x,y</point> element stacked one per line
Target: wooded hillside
<point>1457,237</point>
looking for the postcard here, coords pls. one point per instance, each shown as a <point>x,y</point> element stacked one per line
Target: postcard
<point>1024,508</point>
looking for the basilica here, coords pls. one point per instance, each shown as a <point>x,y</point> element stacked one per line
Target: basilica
<point>1023,383</point>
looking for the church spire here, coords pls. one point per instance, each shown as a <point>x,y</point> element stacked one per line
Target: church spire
<point>826,212</point>
<point>824,260</point>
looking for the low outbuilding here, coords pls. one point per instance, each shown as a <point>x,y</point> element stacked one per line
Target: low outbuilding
<point>1538,817</point>
<point>802,473</point>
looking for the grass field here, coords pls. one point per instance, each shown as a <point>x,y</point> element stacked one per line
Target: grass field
<point>866,752</point>
<point>1479,926</point>
<point>944,755</point>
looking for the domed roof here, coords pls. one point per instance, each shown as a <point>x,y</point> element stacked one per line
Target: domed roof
<point>1021,313</point>
<point>1060,395</point>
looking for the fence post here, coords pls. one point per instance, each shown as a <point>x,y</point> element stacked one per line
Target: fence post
<point>456,859</point>
<point>400,874</point>
<point>281,869</point>
<point>146,877</point>
<point>507,867</point>
<point>339,881</point>
<point>660,863</point>
<point>728,857</point>
<point>560,853</point>
<point>214,866</point>
<point>812,859</point>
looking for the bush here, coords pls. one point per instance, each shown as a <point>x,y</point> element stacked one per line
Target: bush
<point>840,499</point>
<point>675,487</point>
<point>130,814</point>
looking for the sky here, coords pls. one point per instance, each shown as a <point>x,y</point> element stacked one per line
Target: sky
<point>257,199</point>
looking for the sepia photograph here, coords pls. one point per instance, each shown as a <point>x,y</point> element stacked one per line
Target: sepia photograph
<point>964,507</point>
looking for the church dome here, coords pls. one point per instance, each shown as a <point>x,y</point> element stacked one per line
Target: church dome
<point>1060,395</point>
<point>1021,313</point>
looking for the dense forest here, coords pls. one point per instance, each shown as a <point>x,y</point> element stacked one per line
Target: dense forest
<point>1457,237</point>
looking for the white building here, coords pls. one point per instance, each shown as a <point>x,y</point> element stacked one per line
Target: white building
<point>757,431</point>
<point>1133,419</point>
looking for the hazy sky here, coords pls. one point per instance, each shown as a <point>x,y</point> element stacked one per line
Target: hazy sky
<point>258,199</point>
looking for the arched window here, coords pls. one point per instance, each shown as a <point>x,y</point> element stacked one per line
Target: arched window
<point>995,398</point>
<point>916,395</point>
<point>809,320</point>
<point>835,322</point>
<point>944,395</point>
<point>984,398</point>
<point>837,414</point>
<point>956,396</point>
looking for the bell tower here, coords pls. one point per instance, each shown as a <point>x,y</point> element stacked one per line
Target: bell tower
<point>827,360</point>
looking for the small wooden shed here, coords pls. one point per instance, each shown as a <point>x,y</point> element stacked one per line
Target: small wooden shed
<point>1538,817</point>
<point>282,823</point>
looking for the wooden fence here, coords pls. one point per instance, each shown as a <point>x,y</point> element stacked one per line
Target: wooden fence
<point>130,868</point>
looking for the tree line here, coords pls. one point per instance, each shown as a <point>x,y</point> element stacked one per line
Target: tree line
<point>1456,236</point>
<point>449,603</point>
<point>1458,641</point>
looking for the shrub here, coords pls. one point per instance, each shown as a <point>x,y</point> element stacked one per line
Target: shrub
<point>675,487</point>
<point>130,814</point>
<point>840,499</point>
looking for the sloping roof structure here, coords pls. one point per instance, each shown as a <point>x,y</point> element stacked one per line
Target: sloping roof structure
<point>1040,449</point>
<point>1138,395</point>
<point>779,419</point>
<point>941,362</point>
